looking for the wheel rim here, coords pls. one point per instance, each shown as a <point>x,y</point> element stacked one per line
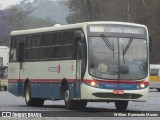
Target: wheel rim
<point>66,96</point>
<point>27,95</point>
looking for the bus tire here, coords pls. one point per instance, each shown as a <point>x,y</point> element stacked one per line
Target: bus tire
<point>121,105</point>
<point>28,97</point>
<point>158,89</point>
<point>80,104</point>
<point>38,102</point>
<point>5,88</point>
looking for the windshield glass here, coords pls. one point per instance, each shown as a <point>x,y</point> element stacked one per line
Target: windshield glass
<point>126,60</point>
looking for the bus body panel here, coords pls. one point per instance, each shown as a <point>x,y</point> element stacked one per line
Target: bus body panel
<point>45,79</point>
<point>104,91</point>
<point>14,85</point>
<point>45,90</point>
<point>48,70</point>
<point>108,94</point>
<point>4,52</point>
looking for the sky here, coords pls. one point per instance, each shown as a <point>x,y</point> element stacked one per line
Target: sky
<point>6,3</point>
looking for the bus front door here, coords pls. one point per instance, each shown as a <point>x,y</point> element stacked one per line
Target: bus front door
<point>21,68</point>
<point>78,67</point>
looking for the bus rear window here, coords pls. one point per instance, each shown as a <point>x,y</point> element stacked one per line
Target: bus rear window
<point>154,72</point>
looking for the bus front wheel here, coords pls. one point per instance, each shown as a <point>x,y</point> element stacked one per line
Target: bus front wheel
<point>121,105</point>
<point>32,101</point>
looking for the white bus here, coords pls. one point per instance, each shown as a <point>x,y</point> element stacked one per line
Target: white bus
<point>155,77</point>
<point>4,59</point>
<point>80,63</point>
<point>4,54</point>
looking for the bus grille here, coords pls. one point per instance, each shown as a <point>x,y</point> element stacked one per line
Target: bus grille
<point>111,95</point>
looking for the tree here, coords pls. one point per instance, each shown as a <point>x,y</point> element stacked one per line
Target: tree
<point>83,10</point>
<point>5,28</point>
<point>17,18</point>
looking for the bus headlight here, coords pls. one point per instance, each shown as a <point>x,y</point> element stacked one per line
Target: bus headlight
<point>91,83</point>
<point>94,84</point>
<point>142,85</point>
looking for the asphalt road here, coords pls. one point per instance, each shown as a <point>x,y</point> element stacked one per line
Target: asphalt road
<point>9,102</point>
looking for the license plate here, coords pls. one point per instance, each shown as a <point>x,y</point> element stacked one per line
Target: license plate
<point>121,92</point>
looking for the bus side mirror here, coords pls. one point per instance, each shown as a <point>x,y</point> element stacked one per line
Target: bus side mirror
<point>150,43</point>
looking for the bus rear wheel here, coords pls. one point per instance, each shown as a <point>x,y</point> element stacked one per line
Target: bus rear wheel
<point>121,105</point>
<point>5,88</point>
<point>32,101</point>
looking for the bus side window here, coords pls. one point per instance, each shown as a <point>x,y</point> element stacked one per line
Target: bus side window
<point>79,50</point>
<point>13,49</point>
<point>34,49</point>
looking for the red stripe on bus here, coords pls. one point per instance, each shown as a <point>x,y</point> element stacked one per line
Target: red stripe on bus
<point>74,80</point>
<point>118,81</point>
<point>13,80</point>
<point>39,80</point>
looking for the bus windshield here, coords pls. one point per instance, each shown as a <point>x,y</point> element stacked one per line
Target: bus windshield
<point>126,60</point>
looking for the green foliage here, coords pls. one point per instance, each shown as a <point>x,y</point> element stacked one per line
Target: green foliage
<point>18,17</point>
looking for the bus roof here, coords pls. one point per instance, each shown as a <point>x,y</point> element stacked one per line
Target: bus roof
<point>69,26</point>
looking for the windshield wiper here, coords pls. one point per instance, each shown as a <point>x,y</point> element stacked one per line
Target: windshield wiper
<point>126,48</point>
<point>109,45</point>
